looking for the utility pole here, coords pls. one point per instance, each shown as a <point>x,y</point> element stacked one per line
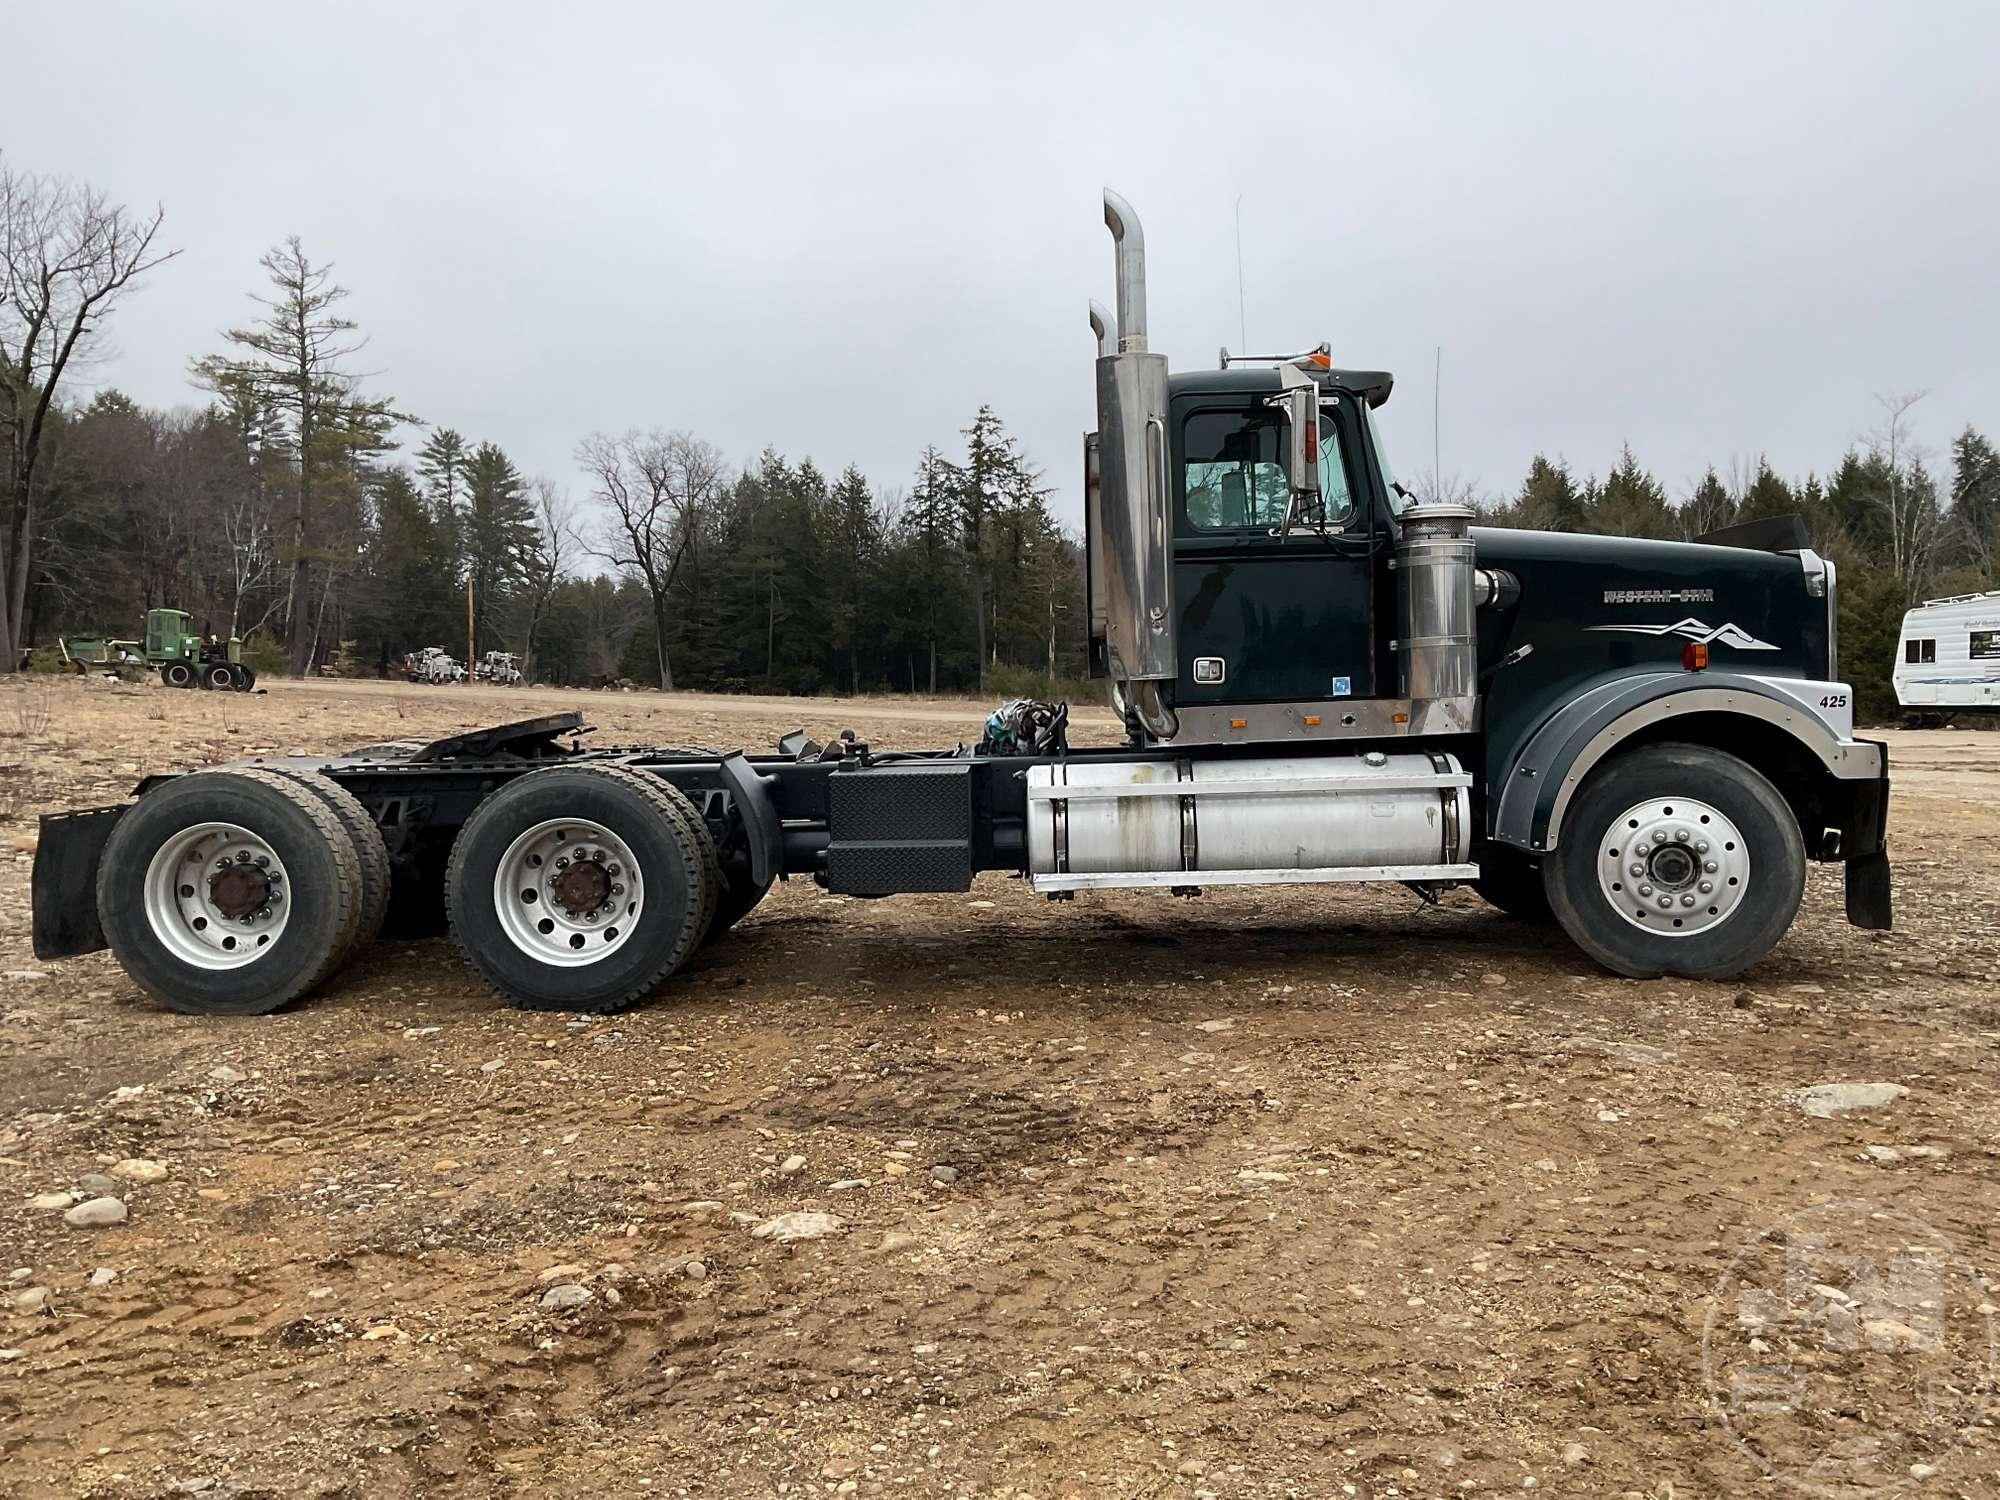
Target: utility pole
<point>470,644</point>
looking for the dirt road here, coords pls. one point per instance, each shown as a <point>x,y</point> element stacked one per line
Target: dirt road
<point>1264,1194</point>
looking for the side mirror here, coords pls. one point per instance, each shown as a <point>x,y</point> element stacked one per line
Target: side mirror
<point>1300,404</point>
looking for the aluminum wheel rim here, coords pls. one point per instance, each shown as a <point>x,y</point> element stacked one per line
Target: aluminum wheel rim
<point>543,889</point>
<point>1674,866</point>
<point>217,896</point>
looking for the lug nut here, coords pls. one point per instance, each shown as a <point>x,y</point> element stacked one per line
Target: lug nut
<point>263,862</point>
<point>562,863</point>
<point>1659,835</point>
<point>1637,870</point>
<point>1710,866</point>
<point>1701,846</point>
<point>1645,890</point>
<point>1687,901</point>
<point>1706,886</point>
<point>598,855</point>
<point>1665,902</point>
<point>1680,835</point>
<point>617,890</point>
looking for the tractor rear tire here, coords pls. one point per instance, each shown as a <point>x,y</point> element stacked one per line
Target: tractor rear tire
<point>735,903</point>
<point>174,925</point>
<point>579,888</point>
<point>369,848</point>
<point>177,674</point>
<point>219,677</point>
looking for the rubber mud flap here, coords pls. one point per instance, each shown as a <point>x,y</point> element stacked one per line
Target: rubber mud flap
<point>766,835</point>
<point>1869,900</point>
<point>67,853</point>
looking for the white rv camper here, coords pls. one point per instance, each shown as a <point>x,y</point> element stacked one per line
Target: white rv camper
<point>1948,660</point>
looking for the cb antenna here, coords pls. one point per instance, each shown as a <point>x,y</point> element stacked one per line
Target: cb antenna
<point>1242,337</point>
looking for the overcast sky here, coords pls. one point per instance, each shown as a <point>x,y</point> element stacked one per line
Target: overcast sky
<point>1708,231</point>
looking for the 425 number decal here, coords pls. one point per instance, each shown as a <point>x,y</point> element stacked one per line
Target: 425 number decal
<point>1834,700</point>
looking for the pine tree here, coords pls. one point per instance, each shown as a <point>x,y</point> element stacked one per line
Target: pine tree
<point>499,528</point>
<point>851,541</point>
<point>1631,503</point>
<point>1767,497</point>
<point>1709,508</point>
<point>294,362</point>
<point>441,464</point>
<point>1549,499</point>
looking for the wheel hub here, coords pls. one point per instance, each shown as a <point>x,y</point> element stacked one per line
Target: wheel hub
<point>581,888</point>
<point>1673,865</point>
<point>239,890</point>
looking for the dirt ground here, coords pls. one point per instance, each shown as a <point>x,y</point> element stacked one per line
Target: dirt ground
<point>1297,1193</point>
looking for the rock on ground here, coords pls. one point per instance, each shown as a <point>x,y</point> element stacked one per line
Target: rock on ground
<point>95,1213</point>
<point>799,1226</point>
<point>1825,1101</point>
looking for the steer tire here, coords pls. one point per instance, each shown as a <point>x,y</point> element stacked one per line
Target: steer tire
<point>1675,788</point>
<point>535,973</point>
<point>369,849</point>
<point>1512,882</point>
<point>322,886</point>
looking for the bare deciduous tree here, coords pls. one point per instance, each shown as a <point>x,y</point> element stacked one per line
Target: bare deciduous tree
<point>546,554</point>
<point>1915,522</point>
<point>67,255</point>
<point>657,486</point>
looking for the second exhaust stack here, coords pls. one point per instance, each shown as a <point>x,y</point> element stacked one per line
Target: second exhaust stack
<point>1136,488</point>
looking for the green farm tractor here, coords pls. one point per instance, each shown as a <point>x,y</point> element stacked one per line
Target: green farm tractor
<point>181,657</point>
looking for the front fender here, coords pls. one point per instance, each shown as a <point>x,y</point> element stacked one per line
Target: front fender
<point>1534,791</point>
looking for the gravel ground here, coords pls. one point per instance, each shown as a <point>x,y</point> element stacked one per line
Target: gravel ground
<point>1295,1193</point>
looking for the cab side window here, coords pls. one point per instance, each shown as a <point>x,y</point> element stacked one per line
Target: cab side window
<point>1233,467</point>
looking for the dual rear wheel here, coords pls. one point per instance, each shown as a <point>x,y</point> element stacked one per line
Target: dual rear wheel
<point>234,892</point>
<point>581,888</point>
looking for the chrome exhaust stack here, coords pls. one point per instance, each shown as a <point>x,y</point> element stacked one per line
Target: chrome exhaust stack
<point>1135,488</point>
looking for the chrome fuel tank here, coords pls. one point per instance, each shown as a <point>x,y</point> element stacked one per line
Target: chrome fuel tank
<point>1186,821</point>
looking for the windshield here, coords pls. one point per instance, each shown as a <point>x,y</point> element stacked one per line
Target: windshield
<point>1397,503</point>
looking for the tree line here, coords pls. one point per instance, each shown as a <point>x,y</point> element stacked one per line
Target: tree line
<point>1898,529</point>
<point>287,510</point>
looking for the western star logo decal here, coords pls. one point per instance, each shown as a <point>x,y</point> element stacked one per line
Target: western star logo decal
<point>1696,630</point>
<point>1659,596</point>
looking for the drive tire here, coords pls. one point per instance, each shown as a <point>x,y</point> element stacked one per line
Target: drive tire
<point>1512,883</point>
<point>177,674</point>
<point>369,849</point>
<point>322,885</point>
<point>614,807</point>
<point>1680,786</point>
<point>734,904</point>
<point>219,677</point>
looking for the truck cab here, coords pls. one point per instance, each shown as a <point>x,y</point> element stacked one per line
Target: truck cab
<point>1261,587</point>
